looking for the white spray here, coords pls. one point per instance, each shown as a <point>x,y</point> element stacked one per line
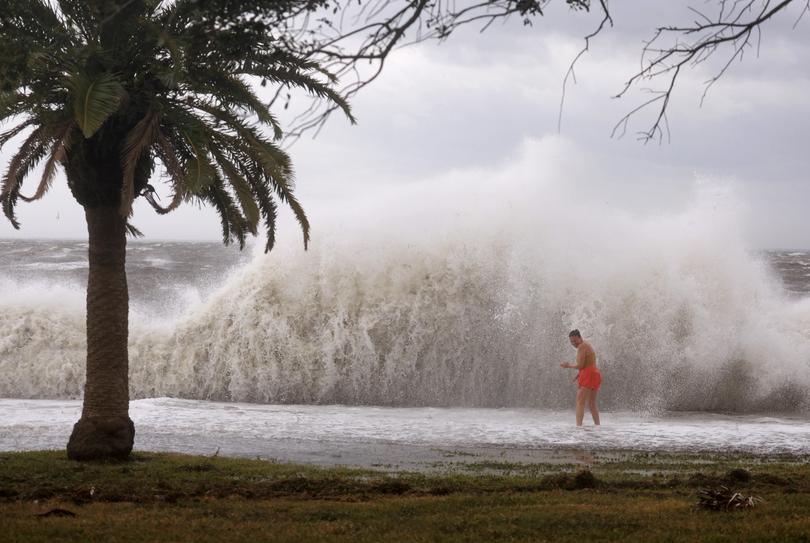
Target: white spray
<point>461,292</point>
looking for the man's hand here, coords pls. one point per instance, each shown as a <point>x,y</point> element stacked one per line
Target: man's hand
<point>565,365</point>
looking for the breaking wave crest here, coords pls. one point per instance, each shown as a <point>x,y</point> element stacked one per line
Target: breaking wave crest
<point>462,295</point>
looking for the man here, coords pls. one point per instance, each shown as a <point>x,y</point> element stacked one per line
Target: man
<point>588,379</point>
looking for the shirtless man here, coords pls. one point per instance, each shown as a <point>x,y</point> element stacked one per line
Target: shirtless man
<point>588,379</point>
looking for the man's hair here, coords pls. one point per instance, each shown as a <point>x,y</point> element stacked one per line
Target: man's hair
<point>574,332</point>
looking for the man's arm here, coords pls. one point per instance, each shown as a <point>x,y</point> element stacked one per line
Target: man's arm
<point>580,362</point>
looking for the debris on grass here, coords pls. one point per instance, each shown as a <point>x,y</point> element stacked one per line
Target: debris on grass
<point>57,512</point>
<point>722,498</point>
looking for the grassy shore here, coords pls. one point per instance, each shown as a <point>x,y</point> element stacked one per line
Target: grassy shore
<point>169,497</point>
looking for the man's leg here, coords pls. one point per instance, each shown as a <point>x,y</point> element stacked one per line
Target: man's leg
<point>593,408</point>
<point>582,398</point>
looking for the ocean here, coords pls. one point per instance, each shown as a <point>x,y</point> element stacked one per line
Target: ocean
<point>358,351</point>
<point>449,329</point>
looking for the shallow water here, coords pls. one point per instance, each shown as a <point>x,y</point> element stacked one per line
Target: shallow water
<point>404,437</point>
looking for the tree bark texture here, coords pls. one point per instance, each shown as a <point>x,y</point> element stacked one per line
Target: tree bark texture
<point>105,429</point>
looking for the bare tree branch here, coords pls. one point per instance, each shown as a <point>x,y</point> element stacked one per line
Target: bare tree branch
<point>606,18</point>
<point>736,28</point>
<point>353,41</point>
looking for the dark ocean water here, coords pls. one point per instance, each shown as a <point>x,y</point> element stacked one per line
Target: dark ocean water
<point>793,268</point>
<point>160,274</point>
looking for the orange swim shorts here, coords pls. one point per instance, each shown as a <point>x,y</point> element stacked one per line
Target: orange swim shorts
<point>589,378</point>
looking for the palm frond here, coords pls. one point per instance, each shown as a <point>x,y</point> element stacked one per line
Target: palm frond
<point>289,60</point>
<point>79,15</point>
<point>142,136</point>
<point>275,162</point>
<point>132,231</point>
<point>300,216</point>
<point>199,171</point>
<point>34,11</point>
<point>168,156</point>
<point>31,152</point>
<point>243,191</point>
<point>175,72</point>
<point>275,167</point>
<point>231,91</point>
<point>293,78</point>
<point>28,26</point>
<point>95,99</point>
<point>12,103</point>
<point>12,132</point>
<point>233,224</point>
<point>17,164</point>
<point>242,157</point>
<point>192,144</point>
<point>55,157</point>
<point>270,213</point>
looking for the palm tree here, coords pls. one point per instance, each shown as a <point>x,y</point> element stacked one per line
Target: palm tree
<point>111,89</point>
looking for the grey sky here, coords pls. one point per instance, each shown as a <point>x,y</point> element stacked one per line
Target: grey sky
<point>481,103</point>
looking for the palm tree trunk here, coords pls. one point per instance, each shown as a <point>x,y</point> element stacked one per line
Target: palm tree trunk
<point>105,429</point>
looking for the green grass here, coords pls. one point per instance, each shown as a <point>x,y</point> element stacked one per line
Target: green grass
<point>171,497</point>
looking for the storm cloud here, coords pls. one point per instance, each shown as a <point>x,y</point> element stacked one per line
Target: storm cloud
<point>482,102</point>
